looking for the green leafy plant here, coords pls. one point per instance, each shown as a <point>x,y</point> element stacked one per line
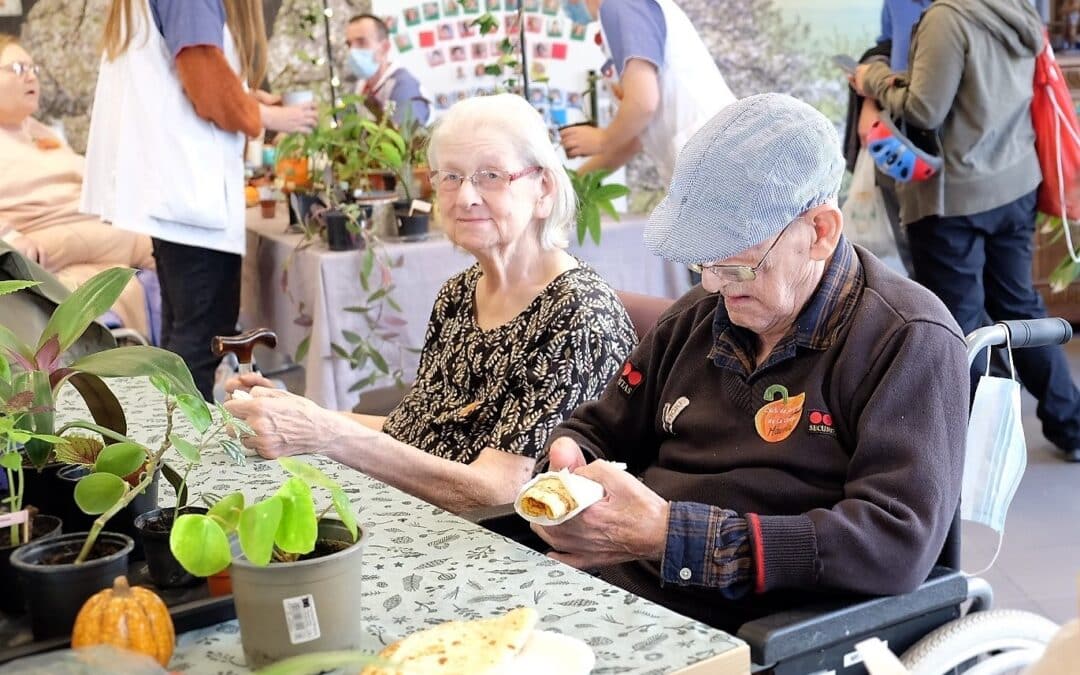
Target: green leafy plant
<point>44,367</point>
<point>593,197</point>
<point>122,468</point>
<point>1068,269</point>
<point>508,65</point>
<point>281,527</point>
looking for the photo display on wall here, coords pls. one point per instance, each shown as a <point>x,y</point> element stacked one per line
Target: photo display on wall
<point>442,47</point>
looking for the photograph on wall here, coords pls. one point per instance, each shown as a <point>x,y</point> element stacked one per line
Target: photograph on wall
<point>573,100</point>
<point>436,58</point>
<point>470,6</point>
<point>541,50</point>
<point>442,101</point>
<point>391,24</point>
<point>412,16</point>
<point>554,28</point>
<point>446,31</point>
<point>451,8</point>
<point>466,29</point>
<point>555,97</point>
<point>511,23</point>
<point>577,31</point>
<point>551,7</point>
<point>492,5</point>
<point>511,5</point>
<point>532,5</point>
<point>403,42</point>
<point>534,24</point>
<point>431,11</point>
<point>479,50</point>
<point>457,53</point>
<point>460,95</point>
<point>537,96</point>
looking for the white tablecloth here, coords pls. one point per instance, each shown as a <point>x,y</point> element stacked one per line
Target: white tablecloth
<point>324,282</point>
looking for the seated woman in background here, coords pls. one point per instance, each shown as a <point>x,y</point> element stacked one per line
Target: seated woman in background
<point>40,184</point>
<point>515,343</point>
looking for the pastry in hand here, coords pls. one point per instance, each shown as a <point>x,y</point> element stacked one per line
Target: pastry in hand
<point>548,498</point>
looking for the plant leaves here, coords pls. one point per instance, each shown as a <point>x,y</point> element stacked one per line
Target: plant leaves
<point>610,192</point>
<point>97,492</point>
<point>42,421</point>
<point>12,460</point>
<point>302,349</point>
<point>78,449</point>
<point>257,527</point>
<point>234,450</point>
<point>344,510</point>
<point>195,409</point>
<point>71,317</point>
<point>15,285</point>
<point>187,449</point>
<point>307,473</point>
<point>140,361</point>
<point>104,407</point>
<point>120,459</point>
<point>228,509</point>
<point>299,524</point>
<point>177,482</point>
<point>200,545</point>
<point>18,349</point>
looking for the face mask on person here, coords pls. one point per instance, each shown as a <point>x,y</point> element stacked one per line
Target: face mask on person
<point>996,454</point>
<point>362,63</point>
<point>576,11</point>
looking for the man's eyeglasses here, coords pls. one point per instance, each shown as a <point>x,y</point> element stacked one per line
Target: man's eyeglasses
<point>484,180</point>
<point>22,69</point>
<point>739,272</point>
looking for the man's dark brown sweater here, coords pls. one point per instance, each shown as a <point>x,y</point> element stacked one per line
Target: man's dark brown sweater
<point>860,493</point>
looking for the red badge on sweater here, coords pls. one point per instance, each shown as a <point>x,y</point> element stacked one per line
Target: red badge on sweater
<point>629,378</point>
<point>821,422</point>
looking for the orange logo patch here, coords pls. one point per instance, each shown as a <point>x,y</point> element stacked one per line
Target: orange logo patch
<point>776,419</point>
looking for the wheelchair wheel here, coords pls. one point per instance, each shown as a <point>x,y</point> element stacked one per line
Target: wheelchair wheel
<point>995,641</point>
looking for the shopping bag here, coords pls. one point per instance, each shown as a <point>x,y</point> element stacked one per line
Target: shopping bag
<point>865,220</point>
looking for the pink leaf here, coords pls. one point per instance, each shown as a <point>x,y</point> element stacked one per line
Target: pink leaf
<point>395,321</point>
<point>48,355</point>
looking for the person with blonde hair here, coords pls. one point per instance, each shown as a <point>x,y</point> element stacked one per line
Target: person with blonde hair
<point>40,179</point>
<point>515,343</point>
<point>172,108</point>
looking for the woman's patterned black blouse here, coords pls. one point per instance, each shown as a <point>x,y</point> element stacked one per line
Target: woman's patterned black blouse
<point>509,387</point>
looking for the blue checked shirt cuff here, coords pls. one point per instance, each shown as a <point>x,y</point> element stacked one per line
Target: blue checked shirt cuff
<point>710,547</point>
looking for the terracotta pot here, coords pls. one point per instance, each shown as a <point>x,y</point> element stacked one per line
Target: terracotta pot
<point>220,584</point>
<point>422,180</point>
<point>294,171</point>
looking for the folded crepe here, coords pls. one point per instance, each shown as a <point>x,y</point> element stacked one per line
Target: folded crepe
<point>549,498</point>
<point>481,647</point>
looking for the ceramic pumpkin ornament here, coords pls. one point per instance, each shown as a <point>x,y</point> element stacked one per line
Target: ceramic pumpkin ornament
<point>128,618</point>
<point>776,419</point>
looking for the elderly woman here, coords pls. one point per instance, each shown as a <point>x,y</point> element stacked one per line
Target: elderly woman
<point>40,182</point>
<point>516,342</point>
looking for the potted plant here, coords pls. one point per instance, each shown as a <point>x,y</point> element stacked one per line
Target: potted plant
<point>594,196</point>
<point>295,574</point>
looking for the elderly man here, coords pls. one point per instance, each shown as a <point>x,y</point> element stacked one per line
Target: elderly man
<point>793,426</point>
<point>379,76</point>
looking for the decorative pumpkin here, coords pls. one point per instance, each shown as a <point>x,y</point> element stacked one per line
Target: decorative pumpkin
<point>294,172</point>
<point>776,419</point>
<point>251,195</point>
<point>129,618</point>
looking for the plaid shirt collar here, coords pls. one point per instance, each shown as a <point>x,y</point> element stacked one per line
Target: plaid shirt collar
<point>817,327</point>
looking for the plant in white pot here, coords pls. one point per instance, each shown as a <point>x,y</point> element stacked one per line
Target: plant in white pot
<point>296,575</point>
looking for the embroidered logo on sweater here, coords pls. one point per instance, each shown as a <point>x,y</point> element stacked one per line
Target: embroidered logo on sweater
<point>672,410</point>
<point>776,419</point>
<point>629,378</point>
<point>821,423</point>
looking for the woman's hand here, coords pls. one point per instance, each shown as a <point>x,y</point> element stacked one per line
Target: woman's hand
<point>582,141</point>
<point>284,423</point>
<point>868,114</point>
<point>30,250</point>
<point>290,118</point>
<point>266,98</point>
<point>858,78</point>
<point>245,382</point>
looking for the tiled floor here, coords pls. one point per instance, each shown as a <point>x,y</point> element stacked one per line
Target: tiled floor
<point>1039,565</point>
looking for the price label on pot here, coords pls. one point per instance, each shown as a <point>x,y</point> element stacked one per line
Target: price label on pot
<point>301,619</point>
<point>17,518</point>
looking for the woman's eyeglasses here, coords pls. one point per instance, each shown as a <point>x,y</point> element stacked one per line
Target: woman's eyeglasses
<point>484,180</point>
<point>738,272</point>
<point>22,69</point>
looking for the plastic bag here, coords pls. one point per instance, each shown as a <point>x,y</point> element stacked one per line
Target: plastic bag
<point>100,659</point>
<point>865,220</point>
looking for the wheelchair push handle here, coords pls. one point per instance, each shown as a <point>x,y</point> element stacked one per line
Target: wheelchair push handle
<point>1020,333</point>
<point>243,345</point>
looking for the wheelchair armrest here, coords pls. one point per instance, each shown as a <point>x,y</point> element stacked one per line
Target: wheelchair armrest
<point>502,519</point>
<point>787,634</point>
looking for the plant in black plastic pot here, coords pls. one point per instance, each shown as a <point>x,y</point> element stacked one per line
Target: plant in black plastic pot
<point>295,576</point>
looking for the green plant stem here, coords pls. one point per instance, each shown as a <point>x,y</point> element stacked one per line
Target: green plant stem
<point>129,496</point>
<point>183,486</point>
<point>11,506</point>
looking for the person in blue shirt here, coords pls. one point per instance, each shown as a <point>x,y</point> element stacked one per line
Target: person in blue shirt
<point>379,76</point>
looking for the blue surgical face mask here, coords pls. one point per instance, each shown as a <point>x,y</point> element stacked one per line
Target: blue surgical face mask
<point>576,11</point>
<point>362,63</point>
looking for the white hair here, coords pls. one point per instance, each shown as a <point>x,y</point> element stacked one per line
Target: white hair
<point>514,119</point>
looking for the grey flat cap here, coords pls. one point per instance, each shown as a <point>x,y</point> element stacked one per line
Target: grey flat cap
<point>747,173</point>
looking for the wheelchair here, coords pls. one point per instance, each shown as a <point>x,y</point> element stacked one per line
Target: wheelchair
<point>946,625</point>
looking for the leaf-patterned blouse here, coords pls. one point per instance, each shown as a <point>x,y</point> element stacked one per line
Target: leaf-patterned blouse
<point>509,387</point>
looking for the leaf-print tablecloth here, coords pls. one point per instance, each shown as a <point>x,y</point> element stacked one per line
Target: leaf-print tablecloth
<point>426,566</point>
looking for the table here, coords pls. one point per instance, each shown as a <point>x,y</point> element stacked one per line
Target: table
<point>325,282</point>
<point>427,566</point>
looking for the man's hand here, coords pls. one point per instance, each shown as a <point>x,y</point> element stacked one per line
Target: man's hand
<point>868,114</point>
<point>629,523</point>
<point>285,424</point>
<point>291,118</point>
<point>583,141</point>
